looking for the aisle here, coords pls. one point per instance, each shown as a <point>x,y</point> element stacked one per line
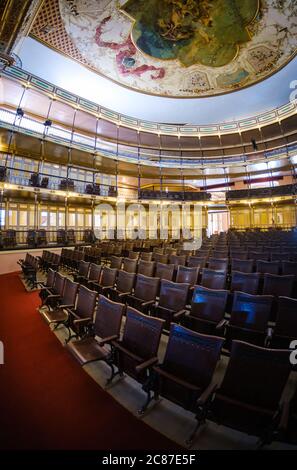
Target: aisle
<point>47,401</point>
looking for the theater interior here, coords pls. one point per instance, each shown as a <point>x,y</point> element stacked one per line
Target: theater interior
<point>148,225</point>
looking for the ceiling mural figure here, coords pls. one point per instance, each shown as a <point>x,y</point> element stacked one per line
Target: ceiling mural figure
<point>174,48</point>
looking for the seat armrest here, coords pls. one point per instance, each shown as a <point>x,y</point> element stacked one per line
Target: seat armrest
<point>179,314</point>
<point>148,302</point>
<point>106,287</point>
<point>146,364</point>
<point>123,294</point>
<point>207,394</point>
<point>108,339</point>
<point>82,321</point>
<point>268,338</point>
<point>66,307</point>
<point>222,324</point>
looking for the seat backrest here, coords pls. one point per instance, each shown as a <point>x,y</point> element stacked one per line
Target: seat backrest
<point>251,311</point>
<point>165,271</point>
<point>146,256</point>
<point>242,265</point>
<point>220,254</point>
<point>50,278</point>
<point>130,265</point>
<point>116,262</point>
<point>280,256</point>
<point>187,275</point>
<point>142,334</point>
<point>59,284</point>
<point>191,356</point>
<point>108,317</point>
<point>255,375</point>
<point>196,262</point>
<point>125,281</point>
<point>83,269</point>
<point>86,301</point>
<point>271,267</point>
<point>278,285</point>
<point>146,267</point>
<point>160,258</point>
<point>286,320</point>
<point>213,279</point>
<point>239,255</point>
<point>134,255</point>
<point>289,267</point>
<point>70,292</point>
<point>108,276</point>
<point>178,260</point>
<point>95,272</point>
<point>245,282</point>
<point>146,287</point>
<point>259,255</point>
<point>209,304</point>
<point>219,264</point>
<point>173,295</point>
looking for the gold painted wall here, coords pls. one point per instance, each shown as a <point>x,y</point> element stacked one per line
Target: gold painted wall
<point>263,216</point>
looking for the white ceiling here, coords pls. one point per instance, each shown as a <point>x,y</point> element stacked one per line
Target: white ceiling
<point>70,75</point>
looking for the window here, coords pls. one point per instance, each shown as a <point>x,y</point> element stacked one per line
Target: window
<point>2,217</point>
<point>43,219</point>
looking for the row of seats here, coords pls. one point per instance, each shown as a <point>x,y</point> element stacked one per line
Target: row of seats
<point>185,376</point>
<point>206,313</point>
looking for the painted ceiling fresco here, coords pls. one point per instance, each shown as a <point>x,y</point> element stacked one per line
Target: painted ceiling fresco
<point>174,48</point>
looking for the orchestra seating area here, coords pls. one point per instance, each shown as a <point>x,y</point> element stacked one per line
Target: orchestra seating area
<point>235,297</point>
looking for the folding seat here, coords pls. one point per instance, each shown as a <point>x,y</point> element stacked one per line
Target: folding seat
<point>213,279</point>
<point>271,267</point>
<point>278,285</point>
<point>83,270</point>
<point>249,395</point>
<point>280,256</point>
<point>134,255</point>
<point>239,255</point>
<point>137,352</point>
<point>130,265</point>
<point>106,326</point>
<point>145,293</point>
<point>124,286</point>
<point>196,262</point>
<point>160,258</point>
<point>186,373</point>
<point>285,330</point>
<point>45,287</point>
<point>249,318</point>
<point>220,254</point>
<point>172,302</point>
<point>258,256</point>
<point>202,253</point>
<point>116,262</point>
<point>93,275</point>
<point>245,282</point>
<point>146,256</point>
<point>207,311</point>
<point>187,275</point>
<point>218,264</point>
<point>59,315</point>
<point>107,281</point>
<point>80,317</point>
<point>165,271</point>
<point>170,251</point>
<point>242,265</point>
<point>289,267</point>
<point>177,260</point>
<point>55,293</point>
<point>146,268</point>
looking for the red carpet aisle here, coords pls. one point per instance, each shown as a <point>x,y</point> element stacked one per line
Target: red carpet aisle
<point>47,401</point>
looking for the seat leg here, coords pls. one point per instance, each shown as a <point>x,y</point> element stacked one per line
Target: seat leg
<point>190,440</point>
<point>143,409</point>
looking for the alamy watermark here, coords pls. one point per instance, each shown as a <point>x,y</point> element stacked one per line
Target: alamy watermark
<point>154,221</point>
